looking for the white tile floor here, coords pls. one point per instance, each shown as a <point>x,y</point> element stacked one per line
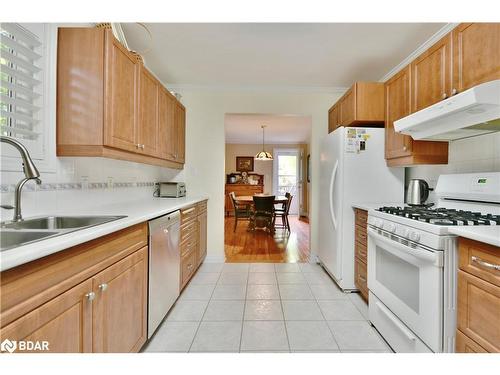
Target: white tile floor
<point>266,307</point>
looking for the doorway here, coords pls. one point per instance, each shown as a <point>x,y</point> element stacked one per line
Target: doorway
<point>287,173</point>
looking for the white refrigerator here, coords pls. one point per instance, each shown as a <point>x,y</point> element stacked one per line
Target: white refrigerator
<point>352,170</point>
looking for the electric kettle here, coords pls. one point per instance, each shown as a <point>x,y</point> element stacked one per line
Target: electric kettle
<point>418,192</point>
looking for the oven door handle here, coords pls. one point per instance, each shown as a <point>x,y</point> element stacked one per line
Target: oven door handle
<point>425,255</point>
<point>409,335</point>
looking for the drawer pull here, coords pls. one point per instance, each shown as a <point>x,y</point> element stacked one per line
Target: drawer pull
<point>90,296</point>
<point>188,210</point>
<point>103,287</point>
<point>363,279</point>
<point>484,264</point>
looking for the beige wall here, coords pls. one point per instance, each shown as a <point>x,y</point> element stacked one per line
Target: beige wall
<point>266,167</point>
<point>205,144</point>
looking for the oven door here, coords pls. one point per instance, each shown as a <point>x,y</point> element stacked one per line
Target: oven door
<point>408,279</point>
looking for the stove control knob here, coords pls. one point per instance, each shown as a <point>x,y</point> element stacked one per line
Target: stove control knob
<point>414,236</point>
<point>391,227</point>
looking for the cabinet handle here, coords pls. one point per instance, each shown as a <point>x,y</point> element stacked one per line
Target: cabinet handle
<point>444,95</point>
<point>362,278</point>
<point>454,91</point>
<point>484,264</point>
<point>142,146</point>
<point>137,145</point>
<point>405,148</point>
<point>190,266</point>
<point>103,287</point>
<point>90,296</point>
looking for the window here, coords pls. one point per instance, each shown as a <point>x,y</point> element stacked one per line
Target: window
<point>22,88</point>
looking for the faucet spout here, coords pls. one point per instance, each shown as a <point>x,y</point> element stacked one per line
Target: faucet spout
<point>30,173</point>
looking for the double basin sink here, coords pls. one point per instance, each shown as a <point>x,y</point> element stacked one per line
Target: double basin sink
<point>15,234</point>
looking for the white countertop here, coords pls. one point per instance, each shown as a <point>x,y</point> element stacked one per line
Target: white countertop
<point>137,211</point>
<point>485,233</point>
<point>371,206</point>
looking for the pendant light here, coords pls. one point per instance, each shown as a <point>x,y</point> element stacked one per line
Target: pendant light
<point>263,155</point>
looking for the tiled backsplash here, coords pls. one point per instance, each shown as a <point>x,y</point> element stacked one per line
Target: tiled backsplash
<point>477,154</point>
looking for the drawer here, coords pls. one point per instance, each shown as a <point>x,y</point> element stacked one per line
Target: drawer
<point>361,252</point>
<point>479,311</point>
<point>188,214</point>
<point>466,345</point>
<point>361,217</point>
<point>189,229</point>
<point>480,259</point>
<point>189,246</point>
<point>360,234</point>
<point>188,266</point>
<point>360,277</point>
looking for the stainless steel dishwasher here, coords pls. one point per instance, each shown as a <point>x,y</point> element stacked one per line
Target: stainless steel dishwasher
<point>164,267</point>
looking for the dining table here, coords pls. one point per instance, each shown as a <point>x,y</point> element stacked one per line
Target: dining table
<point>248,199</point>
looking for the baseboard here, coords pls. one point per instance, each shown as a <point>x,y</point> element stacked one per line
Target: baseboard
<point>214,259</point>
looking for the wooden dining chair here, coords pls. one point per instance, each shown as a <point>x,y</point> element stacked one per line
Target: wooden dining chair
<point>263,213</point>
<point>241,211</point>
<point>282,213</point>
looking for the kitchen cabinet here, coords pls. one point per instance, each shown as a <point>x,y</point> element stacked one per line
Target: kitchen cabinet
<point>334,117</point>
<point>476,56</point>
<point>121,301</point>
<point>65,322</point>
<point>110,105</point>
<point>240,190</point>
<point>400,149</point>
<point>478,297</point>
<point>81,298</point>
<point>148,130</point>
<point>431,75</point>
<point>362,104</point>
<point>193,240</point>
<point>360,252</point>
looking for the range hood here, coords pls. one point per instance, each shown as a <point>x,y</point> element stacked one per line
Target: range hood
<point>475,111</point>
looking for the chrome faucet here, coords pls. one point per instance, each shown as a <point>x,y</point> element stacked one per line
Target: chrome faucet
<point>30,173</point>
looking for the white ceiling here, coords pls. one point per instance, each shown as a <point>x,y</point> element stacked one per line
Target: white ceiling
<point>276,54</point>
<point>280,129</point>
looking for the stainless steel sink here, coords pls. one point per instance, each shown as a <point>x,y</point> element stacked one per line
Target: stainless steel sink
<point>15,234</point>
<point>60,222</point>
<point>10,239</point>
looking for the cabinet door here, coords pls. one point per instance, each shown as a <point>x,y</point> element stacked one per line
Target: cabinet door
<point>431,75</point>
<point>476,54</point>
<point>333,118</point>
<point>466,345</point>
<point>397,102</point>
<point>167,126</point>
<point>65,322</point>
<point>348,107</point>
<point>180,120</point>
<point>120,109</point>
<point>202,233</point>
<point>478,311</point>
<point>148,127</point>
<point>120,307</point>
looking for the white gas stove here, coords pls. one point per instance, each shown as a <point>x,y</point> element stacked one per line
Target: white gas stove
<point>412,261</point>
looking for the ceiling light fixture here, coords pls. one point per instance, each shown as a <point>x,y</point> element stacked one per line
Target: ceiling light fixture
<point>263,155</point>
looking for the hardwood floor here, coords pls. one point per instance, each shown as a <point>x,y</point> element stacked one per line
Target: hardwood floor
<point>259,246</point>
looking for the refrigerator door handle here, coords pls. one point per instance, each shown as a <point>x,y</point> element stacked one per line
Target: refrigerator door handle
<point>330,195</point>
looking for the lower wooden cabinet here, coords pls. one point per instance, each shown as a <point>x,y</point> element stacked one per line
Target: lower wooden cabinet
<point>478,301</point>
<point>119,309</point>
<point>360,252</point>
<point>193,240</point>
<point>64,322</point>
<point>90,298</point>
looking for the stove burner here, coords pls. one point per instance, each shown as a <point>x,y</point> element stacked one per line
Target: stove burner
<point>442,216</point>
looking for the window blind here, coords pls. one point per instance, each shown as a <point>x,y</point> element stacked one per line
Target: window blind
<point>20,82</point>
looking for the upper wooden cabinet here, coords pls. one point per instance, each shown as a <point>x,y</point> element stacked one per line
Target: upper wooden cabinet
<point>362,104</point>
<point>397,105</point>
<point>476,54</point>
<point>431,75</point>
<point>110,105</point>
<point>333,117</point>
<point>148,131</point>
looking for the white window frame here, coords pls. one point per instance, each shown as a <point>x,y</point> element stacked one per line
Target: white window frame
<point>46,161</point>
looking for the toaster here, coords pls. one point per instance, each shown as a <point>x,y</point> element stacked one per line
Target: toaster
<point>170,189</point>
